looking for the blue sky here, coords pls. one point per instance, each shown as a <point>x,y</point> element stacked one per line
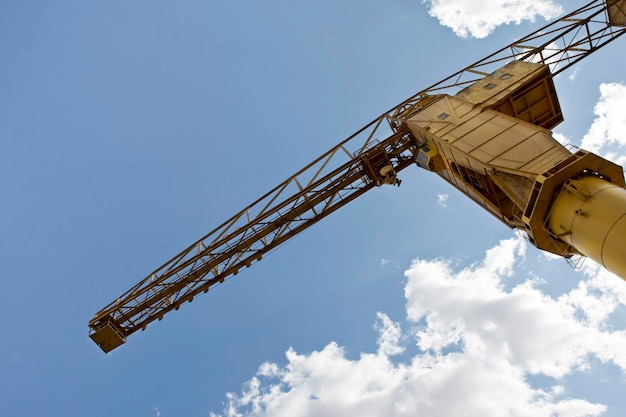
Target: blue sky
<point>131,129</point>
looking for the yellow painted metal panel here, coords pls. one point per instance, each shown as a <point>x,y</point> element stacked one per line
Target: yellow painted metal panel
<point>590,215</point>
<point>491,157</point>
<point>487,138</point>
<point>501,83</point>
<point>108,337</point>
<point>523,90</point>
<point>617,12</point>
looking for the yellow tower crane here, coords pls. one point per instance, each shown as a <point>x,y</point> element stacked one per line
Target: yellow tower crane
<point>484,129</point>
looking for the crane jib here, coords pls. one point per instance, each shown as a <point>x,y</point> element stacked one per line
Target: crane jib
<point>429,130</point>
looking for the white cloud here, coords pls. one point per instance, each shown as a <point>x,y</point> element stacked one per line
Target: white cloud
<point>607,134</point>
<point>541,335</point>
<point>474,344</point>
<point>442,199</point>
<point>574,74</point>
<point>390,335</point>
<point>478,18</point>
<point>384,263</point>
<point>561,138</point>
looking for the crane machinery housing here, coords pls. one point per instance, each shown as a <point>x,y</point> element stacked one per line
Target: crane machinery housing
<point>486,130</point>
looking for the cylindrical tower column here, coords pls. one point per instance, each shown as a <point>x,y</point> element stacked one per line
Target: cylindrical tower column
<point>590,215</point>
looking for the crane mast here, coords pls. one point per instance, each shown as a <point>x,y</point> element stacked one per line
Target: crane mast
<point>484,129</point>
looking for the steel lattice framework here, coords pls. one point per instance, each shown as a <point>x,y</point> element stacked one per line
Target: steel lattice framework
<point>356,165</point>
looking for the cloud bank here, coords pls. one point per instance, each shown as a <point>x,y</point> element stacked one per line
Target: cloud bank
<point>478,18</point>
<point>466,347</point>
<point>607,135</point>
